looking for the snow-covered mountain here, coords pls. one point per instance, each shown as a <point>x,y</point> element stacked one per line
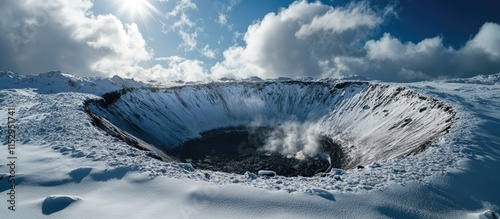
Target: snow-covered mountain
<point>68,168</point>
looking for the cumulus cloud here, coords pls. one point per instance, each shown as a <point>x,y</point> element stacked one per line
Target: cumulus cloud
<point>339,20</point>
<point>487,40</point>
<point>313,39</point>
<point>177,68</point>
<point>62,34</point>
<point>388,57</point>
<point>305,39</point>
<point>295,41</point>
<point>65,35</point>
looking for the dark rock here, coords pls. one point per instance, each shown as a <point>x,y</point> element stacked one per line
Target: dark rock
<point>236,150</point>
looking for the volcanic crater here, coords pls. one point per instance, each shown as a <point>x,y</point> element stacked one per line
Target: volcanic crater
<point>295,128</point>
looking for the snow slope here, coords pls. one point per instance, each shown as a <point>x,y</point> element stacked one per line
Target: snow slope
<point>67,168</point>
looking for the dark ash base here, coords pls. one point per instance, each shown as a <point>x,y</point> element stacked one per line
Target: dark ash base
<point>238,149</point>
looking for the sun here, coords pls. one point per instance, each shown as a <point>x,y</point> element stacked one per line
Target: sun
<point>134,6</point>
<point>141,10</point>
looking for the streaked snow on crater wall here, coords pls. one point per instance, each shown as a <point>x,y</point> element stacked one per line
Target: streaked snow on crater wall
<point>370,121</point>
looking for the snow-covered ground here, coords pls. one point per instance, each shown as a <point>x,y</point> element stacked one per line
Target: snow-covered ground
<point>66,168</point>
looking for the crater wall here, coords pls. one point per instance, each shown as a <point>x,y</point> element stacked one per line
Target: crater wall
<point>370,121</point>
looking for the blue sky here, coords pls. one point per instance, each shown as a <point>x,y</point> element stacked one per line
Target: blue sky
<point>397,40</point>
<point>220,21</point>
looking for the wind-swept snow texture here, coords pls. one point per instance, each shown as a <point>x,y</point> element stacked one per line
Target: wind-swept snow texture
<point>371,122</point>
<point>67,168</point>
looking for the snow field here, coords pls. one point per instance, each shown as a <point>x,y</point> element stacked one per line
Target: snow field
<point>84,173</point>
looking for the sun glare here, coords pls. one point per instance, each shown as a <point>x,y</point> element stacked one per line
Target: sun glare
<point>137,8</point>
<point>141,10</point>
<point>134,6</point>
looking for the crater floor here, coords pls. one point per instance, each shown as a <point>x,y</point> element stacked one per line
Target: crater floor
<point>240,149</point>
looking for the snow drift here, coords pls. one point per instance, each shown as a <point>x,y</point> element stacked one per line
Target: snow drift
<point>369,121</point>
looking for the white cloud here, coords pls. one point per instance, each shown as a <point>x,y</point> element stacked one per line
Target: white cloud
<point>339,20</point>
<point>170,68</point>
<point>390,48</point>
<point>385,48</point>
<point>305,39</point>
<point>181,7</point>
<point>207,52</point>
<point>170,59</point>
<point>235,65</point>
<point>389,58</point>
<point>183,22</point>
<point>487,40</point>
<point>65,35</point>
<point>297,40</point>
<point>177,68</point>
<point>312,39</point>
<point>189,40</point>
<point>222,9</point>
<point>187,29</point>
<point>222,19</point>
<point>237,36</point>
